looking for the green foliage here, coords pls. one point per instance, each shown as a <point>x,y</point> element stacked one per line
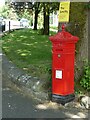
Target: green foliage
<point>4,12</point>
<point>78,92</point>
<point>87,6</point>
<point>40,20</point>
<point>54,27</point>
<point>54,6</point>
<point>7,12</point>
<point>25,14</point>
<point>28,15</point>
<point>85,81</point>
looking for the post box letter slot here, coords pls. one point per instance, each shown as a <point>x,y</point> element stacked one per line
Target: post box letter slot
<point>58,74</point>
<point>59,49</point>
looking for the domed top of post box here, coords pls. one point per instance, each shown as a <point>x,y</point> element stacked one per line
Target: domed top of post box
<point>64,36</point>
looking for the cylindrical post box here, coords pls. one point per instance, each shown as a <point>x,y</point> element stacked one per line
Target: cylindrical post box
<point>63,55</point>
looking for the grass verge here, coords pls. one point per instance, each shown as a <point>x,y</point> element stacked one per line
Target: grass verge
<point>30,51</point>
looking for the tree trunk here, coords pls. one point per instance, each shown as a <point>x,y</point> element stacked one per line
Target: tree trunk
<point>78,27</point>
<point>46,21</point>
<point>60,27</point>
<point>36,15</point>
<point>88,35</point>
<point>36,20</point>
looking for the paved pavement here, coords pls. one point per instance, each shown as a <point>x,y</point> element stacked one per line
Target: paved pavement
<point>17,105</point>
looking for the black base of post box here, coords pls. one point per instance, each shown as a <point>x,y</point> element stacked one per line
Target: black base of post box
<point>62,99</point>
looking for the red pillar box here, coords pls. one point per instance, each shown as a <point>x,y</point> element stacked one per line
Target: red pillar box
<point>63,54</point>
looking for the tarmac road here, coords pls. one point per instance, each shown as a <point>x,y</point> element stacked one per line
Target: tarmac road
<point>16,105</point>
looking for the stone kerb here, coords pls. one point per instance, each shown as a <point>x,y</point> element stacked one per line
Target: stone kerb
<point>23,80</point>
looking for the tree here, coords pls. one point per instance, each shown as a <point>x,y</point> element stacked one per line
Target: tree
<point>37,10</point>
<point>47,9</point>
<point>21,7</point>
<point>78,27</point>
<point>4,12</point>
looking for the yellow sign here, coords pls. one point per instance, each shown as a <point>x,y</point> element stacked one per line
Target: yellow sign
<point>64,11</point>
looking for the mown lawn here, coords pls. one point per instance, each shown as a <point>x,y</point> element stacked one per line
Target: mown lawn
<point>29,50</point>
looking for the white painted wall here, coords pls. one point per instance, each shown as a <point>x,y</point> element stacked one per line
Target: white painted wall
<point>13,24</point>
<point>54,18</point>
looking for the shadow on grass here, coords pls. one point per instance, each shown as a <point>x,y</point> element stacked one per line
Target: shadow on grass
<point>27,48</point>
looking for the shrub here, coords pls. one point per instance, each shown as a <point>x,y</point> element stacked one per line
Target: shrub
<point>85,81</point>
